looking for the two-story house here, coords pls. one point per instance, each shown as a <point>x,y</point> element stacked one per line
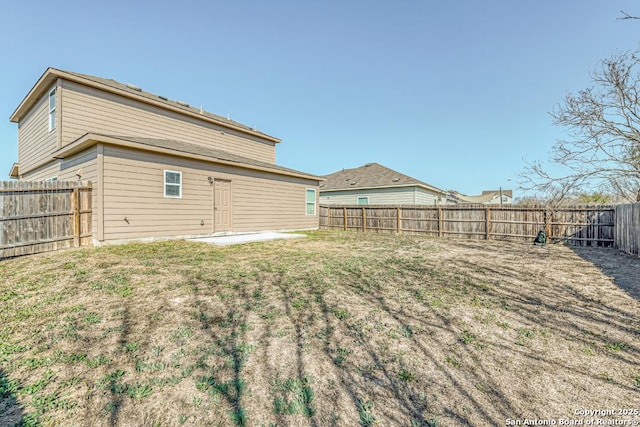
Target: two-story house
<point>159,167</point>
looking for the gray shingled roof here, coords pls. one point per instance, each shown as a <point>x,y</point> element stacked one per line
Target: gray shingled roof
<point>213,153</point>
<point>371,175</point>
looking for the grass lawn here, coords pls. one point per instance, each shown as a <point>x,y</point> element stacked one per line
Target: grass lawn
<point>338,329</point>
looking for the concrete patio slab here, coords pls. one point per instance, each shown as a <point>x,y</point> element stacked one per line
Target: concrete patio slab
<point>236,239</point>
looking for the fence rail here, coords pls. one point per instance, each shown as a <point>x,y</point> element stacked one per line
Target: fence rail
<point>627,230</point>
<point>583,226</point>
<point>44,216</point>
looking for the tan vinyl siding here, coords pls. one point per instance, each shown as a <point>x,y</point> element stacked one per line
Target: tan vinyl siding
<point>35,141</point>
<point>66,169</point>
<point>90,110</point>
<point>134,189</point>
<point>43,172</point>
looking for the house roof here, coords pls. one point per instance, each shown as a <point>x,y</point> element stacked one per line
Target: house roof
<point>178,148</point>
<point>372,175</point>
<point>493,193</point>
<point>486,196</point>
<point>130,91</point>
<point>15,171</point>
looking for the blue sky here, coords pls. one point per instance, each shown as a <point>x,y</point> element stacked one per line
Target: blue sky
<point>455,93</point>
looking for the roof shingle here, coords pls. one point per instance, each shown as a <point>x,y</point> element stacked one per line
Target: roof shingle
<point>371,175</point>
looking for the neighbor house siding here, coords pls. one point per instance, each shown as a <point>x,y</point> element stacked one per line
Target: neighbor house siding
<point>424,197</point>
<point>379,196</point>
<point>90,110</point>
<point>35,141</point>
<point>133,185</point>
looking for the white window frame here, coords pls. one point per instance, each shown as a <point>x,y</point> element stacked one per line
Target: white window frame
<point>52,179</point>
<point>52,110</point>
<point>179,185</point>
<point>366,198</point>
<point>307,202</point>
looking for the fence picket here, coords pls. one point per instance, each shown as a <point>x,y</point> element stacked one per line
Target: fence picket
<point>627,229</point>
<point>578,225</point>
<point>43,216</point>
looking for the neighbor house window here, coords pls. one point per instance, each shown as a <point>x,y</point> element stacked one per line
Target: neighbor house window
<point>52,109</point>
<point>172,184</point>
<point>311,201</point>
<point>363,200</point>
<point>52,179</point>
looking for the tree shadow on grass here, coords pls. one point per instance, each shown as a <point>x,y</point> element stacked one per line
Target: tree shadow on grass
<point>623,268</point>
<point>556,310</point>
<point>397,380</point>
<point>11,412</point>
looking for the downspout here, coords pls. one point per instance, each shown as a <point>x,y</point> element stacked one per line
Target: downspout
<point>100,195</point>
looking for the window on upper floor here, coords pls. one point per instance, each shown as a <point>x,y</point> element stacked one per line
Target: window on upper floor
<point>172,184</point>
<point>52,109</point>
<point>363,200</point>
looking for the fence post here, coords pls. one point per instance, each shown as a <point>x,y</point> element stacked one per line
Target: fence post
<point>548,217</point>
<point>440,223</point>
<point>75,205</point>
<point>487,223</point>
<point>344,212</point>
<point>3,185</point>
<point>398,229</point>
<point>364,220</point>
<point>328,217</point>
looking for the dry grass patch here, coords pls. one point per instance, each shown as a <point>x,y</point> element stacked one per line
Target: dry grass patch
<point>336,329</point>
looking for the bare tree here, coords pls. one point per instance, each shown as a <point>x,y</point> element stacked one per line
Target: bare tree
<point>603,145</point>
<point>625,15</point>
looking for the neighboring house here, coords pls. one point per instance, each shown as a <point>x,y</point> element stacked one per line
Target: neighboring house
<point>374,184</point>
<point>159,168</point>
<point>488,197</point>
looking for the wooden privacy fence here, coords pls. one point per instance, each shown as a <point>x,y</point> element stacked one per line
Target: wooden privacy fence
<point>44,216</point>
<point>627,230</point>
<point>584,226</point>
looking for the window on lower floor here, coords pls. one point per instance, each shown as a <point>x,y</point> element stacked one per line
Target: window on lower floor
<point>172,184</point>
<point>363,200</point>
<point>311,201</point>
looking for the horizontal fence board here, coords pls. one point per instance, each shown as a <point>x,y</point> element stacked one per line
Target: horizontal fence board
<point>584,226</point>
<point>40,216</point>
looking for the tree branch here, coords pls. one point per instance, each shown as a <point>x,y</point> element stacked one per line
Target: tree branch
<point>625,16</point>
